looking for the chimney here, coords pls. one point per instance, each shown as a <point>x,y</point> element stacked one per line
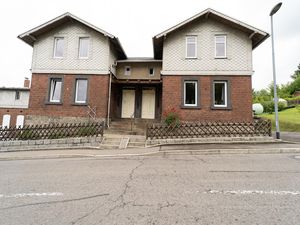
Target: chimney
<point>26,82</point>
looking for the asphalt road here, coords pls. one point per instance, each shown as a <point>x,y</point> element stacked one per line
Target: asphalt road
<point>172,189</point>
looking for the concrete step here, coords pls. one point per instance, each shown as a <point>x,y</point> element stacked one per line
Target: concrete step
<point>136,144</point>
<point>109,146</point>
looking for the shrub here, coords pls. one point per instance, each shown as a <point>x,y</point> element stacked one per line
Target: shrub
<point>171,117</point>
<point>269,106</point>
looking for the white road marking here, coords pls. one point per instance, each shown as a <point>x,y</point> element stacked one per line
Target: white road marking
<point>247,192</point>
<point>22,195</point>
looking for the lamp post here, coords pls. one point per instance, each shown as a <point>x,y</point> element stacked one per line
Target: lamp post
<point>273,11</point>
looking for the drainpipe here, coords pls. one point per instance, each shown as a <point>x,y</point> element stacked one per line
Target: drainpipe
<point>109,96</point>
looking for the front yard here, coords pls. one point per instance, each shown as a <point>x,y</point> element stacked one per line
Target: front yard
<point>289,119</point>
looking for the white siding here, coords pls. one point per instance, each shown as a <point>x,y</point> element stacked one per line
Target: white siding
<point>7,99</point>
<point>97,62</point>
<point>239,50</point>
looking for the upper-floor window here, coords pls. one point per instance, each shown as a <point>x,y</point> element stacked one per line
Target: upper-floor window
<point>191,46</point>
<point>81,90</point>
<point>127,70</point>
<point>83,47</point>
<point>220,46</point>
<point>55,90</point>
<point>220,93</point>
<point>190,93</point>
<point>151,71</point>
<point>17,95</point>
<point>58,47</point>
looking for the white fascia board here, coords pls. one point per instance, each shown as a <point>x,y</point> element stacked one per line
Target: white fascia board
<point>210,73</point>
<point>164,33</point>
<point>27,33</point>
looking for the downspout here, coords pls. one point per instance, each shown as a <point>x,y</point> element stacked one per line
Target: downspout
<point>109,96</point>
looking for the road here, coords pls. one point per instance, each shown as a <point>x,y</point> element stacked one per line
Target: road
<point>171,189</point>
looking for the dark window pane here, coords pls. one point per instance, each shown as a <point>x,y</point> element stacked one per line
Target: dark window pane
<point>190,93</point>
<point>219,93</point>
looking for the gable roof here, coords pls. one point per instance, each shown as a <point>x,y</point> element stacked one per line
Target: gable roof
<point>29,37</point>
<point>257,35</point>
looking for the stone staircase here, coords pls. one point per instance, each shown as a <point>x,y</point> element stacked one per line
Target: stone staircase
<point>119,141</point>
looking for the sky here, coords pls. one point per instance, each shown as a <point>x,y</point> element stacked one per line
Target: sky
<point>135,22</point>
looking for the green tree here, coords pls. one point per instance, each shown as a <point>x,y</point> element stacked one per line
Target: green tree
<point>296,73</point>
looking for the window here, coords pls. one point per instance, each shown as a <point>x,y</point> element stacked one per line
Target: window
<point>81,91</point>
<point>17,95</point>
<point>190,93</point>
<point>220,46</point>
<point>58,47</point>
<point>151,71</point>
<point>55,90</point>
<point>220,93</point>
<point>191,47</point>
<point>83,47</point>
<point>127,70</point>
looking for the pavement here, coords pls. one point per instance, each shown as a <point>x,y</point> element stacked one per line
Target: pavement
<point>290,144</point>
<point>158,190</point>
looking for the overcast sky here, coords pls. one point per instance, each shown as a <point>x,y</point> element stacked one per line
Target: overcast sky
<point>135,22</point>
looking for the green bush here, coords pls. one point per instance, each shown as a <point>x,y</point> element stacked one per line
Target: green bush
<point>171,117</point>
<point>269,106</point>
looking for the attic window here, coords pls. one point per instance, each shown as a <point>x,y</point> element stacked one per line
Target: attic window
<point>58,47</point>
<point>84,47</point>
<point>151,71</point>
<point>220,46</point>
<point>127,70</point>
<point>191,47</point>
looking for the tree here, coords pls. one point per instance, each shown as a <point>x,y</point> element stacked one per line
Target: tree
<point>296,73</point>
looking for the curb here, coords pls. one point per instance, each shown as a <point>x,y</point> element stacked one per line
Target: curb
<point>217,151</point>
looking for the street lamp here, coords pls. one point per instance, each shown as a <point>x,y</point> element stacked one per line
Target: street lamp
<point>273,11</point>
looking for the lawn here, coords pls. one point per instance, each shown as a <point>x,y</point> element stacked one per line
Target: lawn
<point>289,119</point>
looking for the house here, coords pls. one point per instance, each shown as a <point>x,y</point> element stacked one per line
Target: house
<point>202,68</point>
<point>14,104</point>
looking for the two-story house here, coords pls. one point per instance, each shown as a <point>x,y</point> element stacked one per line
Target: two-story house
<point>201,67</point>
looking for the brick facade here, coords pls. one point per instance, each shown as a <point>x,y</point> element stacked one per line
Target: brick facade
<point>240,97</point>
<point>39,108</point>
<point>13,112</point>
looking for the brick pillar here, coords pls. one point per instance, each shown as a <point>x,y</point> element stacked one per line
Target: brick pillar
<point>26,83</point>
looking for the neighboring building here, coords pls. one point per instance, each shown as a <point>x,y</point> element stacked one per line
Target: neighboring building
<point>202,68</point>
<point>14,104</point>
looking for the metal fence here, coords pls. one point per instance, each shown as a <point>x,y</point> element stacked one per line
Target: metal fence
<point>259,127</point>
<point>52,131</point>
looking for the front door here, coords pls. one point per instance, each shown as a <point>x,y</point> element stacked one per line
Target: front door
<point>148,104</point>
<point>128,102</point>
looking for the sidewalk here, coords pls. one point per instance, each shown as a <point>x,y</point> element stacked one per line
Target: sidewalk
<point>271,148</point>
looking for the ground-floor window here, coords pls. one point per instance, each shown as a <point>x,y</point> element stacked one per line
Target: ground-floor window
<point>190,93</point>
<point>81,90</point>
<point>55,90</point>
<point>220,93</point>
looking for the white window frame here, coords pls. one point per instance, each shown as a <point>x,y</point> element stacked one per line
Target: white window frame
<point>88,48</point>
<point>127,73</point>
<point>55,46</point>
<point>196,92</point>
<point>225,46</point>
<point>51,92</point>
<point>186,46</point>
<point>152,70</point>
<point>76,91</point>
<point>225,93</point>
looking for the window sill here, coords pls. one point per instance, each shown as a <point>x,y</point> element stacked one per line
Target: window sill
<point>221,57</point>
<point>221,108</point>
<point>189,107</point>
<point>79,104</point>
<point>53,103</point>
<point>191,58</point>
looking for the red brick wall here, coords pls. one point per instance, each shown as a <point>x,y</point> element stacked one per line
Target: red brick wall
<point>241,99</point>
<point>13,114</point>
<point>97,96</point>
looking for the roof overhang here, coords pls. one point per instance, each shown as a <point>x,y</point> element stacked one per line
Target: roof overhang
<point>30,36</point>
<point>256,35</point>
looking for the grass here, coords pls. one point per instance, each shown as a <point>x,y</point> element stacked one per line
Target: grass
<point>289,119</point>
